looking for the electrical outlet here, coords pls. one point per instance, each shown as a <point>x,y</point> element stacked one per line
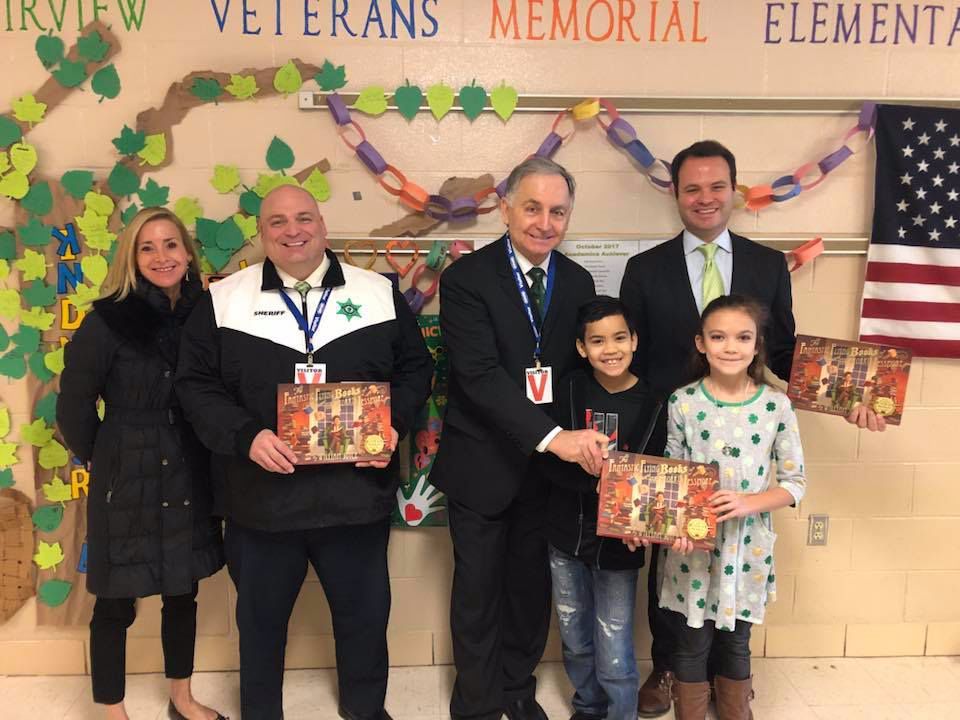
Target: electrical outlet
<point>817,529</point>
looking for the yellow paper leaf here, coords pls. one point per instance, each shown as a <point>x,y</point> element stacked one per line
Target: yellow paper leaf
<point>155,151</point>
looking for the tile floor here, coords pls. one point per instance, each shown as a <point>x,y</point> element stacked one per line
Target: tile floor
<point>787,689</point>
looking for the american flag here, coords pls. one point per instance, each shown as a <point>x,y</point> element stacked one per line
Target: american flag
<point>911,295</point>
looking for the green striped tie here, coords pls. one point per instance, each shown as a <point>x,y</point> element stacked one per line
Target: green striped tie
<point>712,287</point>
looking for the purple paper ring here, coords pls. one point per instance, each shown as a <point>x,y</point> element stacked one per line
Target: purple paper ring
<point>502,188</point>
<point>371,158</point>
<point>338,108</point>
<point>783,182</point>
<point>437,207</point>
<point>867,119</point>
<point>549,146</point>
<point>463,208</point>
<point>831,161</point>
<point>618,129</point>
<point>638,151</point>
<point>415,299</point>
<point>659,182</point>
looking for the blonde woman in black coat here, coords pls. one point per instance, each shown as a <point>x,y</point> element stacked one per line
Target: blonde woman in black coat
<point>149,525</point>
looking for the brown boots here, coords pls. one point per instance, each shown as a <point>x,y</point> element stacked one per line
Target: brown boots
<point>733,699</point>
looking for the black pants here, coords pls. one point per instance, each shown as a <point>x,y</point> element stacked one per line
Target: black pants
<point>729,652</point>
<point>661,627</point>
<point>268,570</point>
<point>108,642</point>
<point>500,604</point>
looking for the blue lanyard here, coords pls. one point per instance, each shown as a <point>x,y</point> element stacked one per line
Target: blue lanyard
<point>310,331</point>
<point>525,297</point>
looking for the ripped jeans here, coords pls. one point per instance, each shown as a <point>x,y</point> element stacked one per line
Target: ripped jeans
<point>595,609</point>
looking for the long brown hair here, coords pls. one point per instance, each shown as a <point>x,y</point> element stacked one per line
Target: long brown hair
<point>700,368</point>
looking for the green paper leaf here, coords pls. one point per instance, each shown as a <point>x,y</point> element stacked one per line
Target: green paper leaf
<point>287,79</point>
<point>54,592</point>
<point>56,491</point>
<point>14,184</point>
<point>504,101</point>
<point>330,77</point>
<point>39,294</point>
<point>225,178</point>
<point>92,48</point>
<point>14,367</point>
<point>440,99</point>
<point>123,180</point>
<point>27,340</point>
<point>54,360</point>
<point>250,203</point>
<point>27,109</point>
<point>4,269</point>
<point>472,100</point>
<point>4,422</point>
<point>279,155</point>
<point>94,268</point>
<point>70,73</point>
<point>46,408</point>
<point>36,433</point>
<point>99,204</point>
<point>4,162</point>
<point>207,89</point>
<point>317,185</point>
<point>247,225</point>
<point>6,479</point>
<point>8,451</point>
<point>205,266</point>
<point>188,210</point>
<point>229,236</point>
<point>47,556</point>
<point>10,304</point>
<point>36,317</point>
<point>106,82</point>
<point>10,132</point>
<point>77,182</point>
<point>207,232</point>
<point>154,150</point>
<point>34,233</point>
<point>49,49</point>
<point>267,182</point>
<point>39,199</point>
<point>129,213</point>
<point>408,99</point>
<point>154,195</point>
<point>83,296</point>
<point>217,258</point>
<point>33,265</point>
<point>23,157</point>
<point>4,344</point>
<point>129,142</point>
<point>371,101</point>
<point>242,87</point>
<point>93,227</point>
<point>52,455</point>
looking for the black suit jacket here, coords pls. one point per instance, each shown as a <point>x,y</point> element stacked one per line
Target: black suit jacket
<point>656,290</point>
<point>490,428</point>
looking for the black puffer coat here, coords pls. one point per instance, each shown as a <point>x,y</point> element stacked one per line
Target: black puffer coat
<point>149,524</point>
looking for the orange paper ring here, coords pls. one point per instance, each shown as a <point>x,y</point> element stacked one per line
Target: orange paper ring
<point>803,171</point>
<point>803,254</point>
<point>397,175</point>
<point>361,244</point>
<point>758,197</point>
<point>418,273</point>
<point>556,123</point>
<point>482,196</point>
<point>610,109</point>
<point>342,132</point>
<point>414,196</point>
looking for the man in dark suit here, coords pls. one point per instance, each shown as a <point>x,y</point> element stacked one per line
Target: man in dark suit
<point>507,313</point>
<point>666,289</point>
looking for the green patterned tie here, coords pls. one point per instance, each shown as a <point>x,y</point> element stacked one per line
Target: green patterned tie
<point>302,287</point>
<point>712,280</point>
<point>537,290</point>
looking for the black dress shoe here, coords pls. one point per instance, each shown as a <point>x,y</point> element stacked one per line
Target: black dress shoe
<point>381,714</point>
<point>174,714</point>
<point>525,709</point>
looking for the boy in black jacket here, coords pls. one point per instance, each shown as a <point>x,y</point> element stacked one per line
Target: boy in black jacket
<point>594,578</point>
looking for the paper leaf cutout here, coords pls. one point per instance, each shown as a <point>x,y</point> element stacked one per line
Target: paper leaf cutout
<point>106,82</point>
<point>39,370</point>
<point>36,317</point>
<point>4,422</point>
<point>53,360</point>
<point>45,408</point>
<point>52,455</point>
<point>38,199</point>
<point>90,222</point>
<point>34,233</point>
<point>6,479</point>
<point>32,265</point>
<point>371,101</point>
<point>54,592</point>
<point>472,100</point>
<point>247,225</point>
<point>77,182</point>
<point>48,518</point>
<point>217,258</point>
<point>267,182</point>
<point>23,157</point>
<point>14,367</point>
<point>225,178</point>
<point>36,433</point>
<point>229,236</point>
<point>207,232</point>
<point>440,99</point>
<point>317,185</point>
<point>330,77</point>
<point>27,109</point>
<point>129,142</point>
<point>83,296</point>
<point>4,162</point>
<point>10,132</point>
<point>47,556</point>
<point>129,213</point>
<point>99,203</point>
<point>287,79</point>
<point>49,49</point>
<point>123,180</point>
<point>94,268</point>
<point>92,48</point>
<point>27,340</point>
<point>154,151</point>
<point>242,87</point>
<point>14,185</point>
<point>9,304</point>
<point>250,202</point>
<point>504,101</point>
<point>4,269</point>
<point>4,344</point>
<point>279,155</point>
<point>154,195</point>
<point>188,210</point>
<point>408,99</point>
<point>207,89</point>
<point>70,73</point>
<point>56,490</point>
<point>39,294</point>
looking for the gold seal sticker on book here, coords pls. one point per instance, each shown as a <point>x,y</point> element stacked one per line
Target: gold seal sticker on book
<point>373,444</point>
<point>697,528</point>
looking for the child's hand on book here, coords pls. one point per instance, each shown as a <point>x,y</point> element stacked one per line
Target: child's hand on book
<point>682,545</point>
<point>865,418</point>
<point>636,542</point>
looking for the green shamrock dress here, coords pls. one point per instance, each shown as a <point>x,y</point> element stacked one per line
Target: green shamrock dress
<point>745,441</point>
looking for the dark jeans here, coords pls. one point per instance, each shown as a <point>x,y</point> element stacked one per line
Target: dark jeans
<point>731,650</point>
<point>108,642</point>
<point>661,627</point>
<point>268,570</point>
